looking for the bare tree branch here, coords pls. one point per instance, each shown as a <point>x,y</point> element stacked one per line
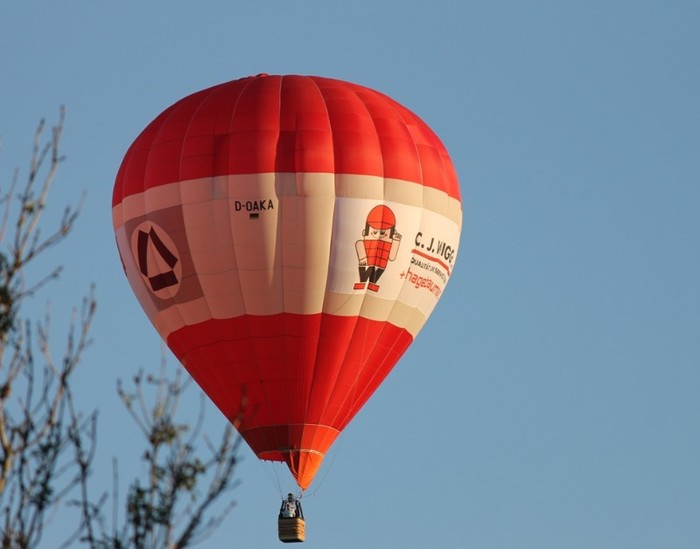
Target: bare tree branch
<point>48,446</point>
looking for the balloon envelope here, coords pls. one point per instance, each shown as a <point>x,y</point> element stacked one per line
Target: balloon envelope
<point>288,236</point>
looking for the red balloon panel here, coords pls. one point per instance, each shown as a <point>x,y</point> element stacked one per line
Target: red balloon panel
<point>269,373</point>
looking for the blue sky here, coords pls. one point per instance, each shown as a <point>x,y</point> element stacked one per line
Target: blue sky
<point>552,399</point>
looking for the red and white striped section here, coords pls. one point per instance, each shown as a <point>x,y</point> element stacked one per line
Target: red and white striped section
<point>241,217</point>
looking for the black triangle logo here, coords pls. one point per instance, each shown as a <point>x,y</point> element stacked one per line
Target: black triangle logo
<point>160,280</point>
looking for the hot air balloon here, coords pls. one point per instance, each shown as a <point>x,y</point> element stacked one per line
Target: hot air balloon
<point>288,237</point>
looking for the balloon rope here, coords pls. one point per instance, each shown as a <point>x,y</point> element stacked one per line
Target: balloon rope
<point>272,473</point>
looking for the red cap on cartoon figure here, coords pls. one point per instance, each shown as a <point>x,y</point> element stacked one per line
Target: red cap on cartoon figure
<point>381,217</point>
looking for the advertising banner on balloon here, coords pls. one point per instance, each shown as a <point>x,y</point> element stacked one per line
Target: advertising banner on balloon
<point>406,256</point>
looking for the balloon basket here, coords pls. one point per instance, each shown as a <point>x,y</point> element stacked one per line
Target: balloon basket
<point>291,530</point>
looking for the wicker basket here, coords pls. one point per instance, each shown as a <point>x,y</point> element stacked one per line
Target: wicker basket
<point>291,530</point>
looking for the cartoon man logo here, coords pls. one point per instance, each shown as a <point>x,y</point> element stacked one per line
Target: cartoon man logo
<point>379,245</point>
